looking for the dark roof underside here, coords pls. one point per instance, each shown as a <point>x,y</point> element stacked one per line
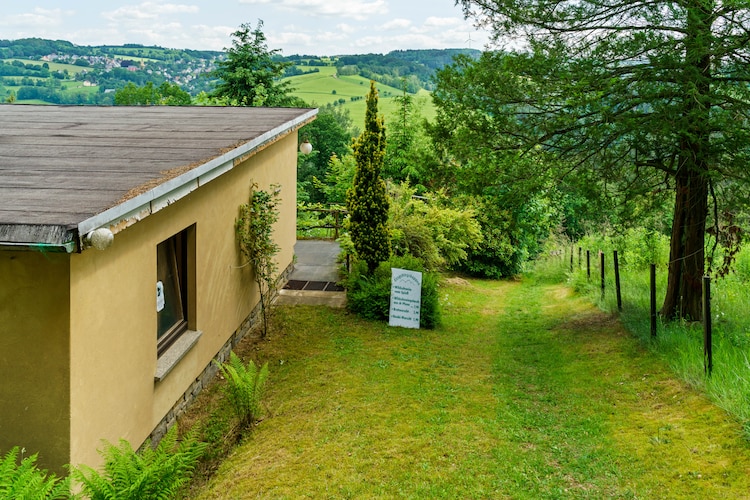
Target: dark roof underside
<point>60,165</point>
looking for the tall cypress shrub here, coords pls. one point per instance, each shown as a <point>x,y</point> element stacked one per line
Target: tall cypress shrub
<point>367,200</point>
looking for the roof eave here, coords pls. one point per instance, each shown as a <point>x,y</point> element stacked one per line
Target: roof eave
<point>130,211</point>
<point>64,247</point>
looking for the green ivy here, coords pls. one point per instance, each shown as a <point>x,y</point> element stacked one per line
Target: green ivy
<point>254,229</point>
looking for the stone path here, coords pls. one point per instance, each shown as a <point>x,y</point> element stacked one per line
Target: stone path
<point>313,280</point>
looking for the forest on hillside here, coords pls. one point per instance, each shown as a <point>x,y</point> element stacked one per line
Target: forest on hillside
<point>60,72</point>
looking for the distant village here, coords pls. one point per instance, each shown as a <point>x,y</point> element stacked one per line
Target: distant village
<point>179,71</point>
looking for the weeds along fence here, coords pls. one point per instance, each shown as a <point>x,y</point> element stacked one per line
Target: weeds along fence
<point>711,355</point>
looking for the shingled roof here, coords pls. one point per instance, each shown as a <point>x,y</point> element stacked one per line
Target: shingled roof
<point>66,170</point>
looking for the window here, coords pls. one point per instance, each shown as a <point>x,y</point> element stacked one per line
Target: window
<point>174,258</point>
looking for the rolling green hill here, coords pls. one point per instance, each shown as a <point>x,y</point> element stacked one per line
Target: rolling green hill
<point>325,87</point>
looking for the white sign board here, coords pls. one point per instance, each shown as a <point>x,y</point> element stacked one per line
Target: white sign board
<point>406,298</point>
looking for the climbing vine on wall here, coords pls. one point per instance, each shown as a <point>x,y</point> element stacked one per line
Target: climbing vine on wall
<point>254,229</point>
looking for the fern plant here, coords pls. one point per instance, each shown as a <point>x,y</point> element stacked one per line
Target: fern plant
<point>244,388</point>
<point>25,481</point>
<point>153,473</point>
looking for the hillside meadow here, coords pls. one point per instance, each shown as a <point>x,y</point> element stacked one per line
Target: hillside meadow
<point>53,66</point>
<point>325,87</point>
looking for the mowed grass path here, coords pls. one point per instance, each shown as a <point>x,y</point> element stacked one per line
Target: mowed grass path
<point>524,392</point>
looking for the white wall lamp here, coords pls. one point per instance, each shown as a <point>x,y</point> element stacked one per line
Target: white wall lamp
<point>305,147</point>
<point>101,238</point>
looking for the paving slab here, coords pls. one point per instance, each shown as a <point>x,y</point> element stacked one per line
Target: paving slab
<point>311,298</point>
<point>315,262</point>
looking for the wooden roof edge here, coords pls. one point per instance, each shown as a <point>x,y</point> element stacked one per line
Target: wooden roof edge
<point>42,238</point>
<point>130,211</point>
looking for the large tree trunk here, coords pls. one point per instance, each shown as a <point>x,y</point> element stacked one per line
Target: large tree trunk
<point>672,300</point>
<point>695,259</point>
<point>686,257</point>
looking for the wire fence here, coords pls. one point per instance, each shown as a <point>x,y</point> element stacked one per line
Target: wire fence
<point>567,257</point>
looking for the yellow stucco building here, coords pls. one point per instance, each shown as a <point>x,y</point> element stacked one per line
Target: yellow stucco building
<point>114,342</point>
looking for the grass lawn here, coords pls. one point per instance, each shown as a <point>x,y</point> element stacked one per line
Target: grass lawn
<point>526,391</point>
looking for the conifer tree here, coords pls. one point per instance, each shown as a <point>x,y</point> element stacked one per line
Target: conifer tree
<point>250,74</point>
<point>367,200</point>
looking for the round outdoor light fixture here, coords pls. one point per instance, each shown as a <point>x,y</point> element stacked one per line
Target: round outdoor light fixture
<point>305,148</point>
<point>101,238</point>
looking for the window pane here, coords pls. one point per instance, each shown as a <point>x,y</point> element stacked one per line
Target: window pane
<point>168,273</point>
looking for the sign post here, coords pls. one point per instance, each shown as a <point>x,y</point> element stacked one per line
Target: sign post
<point>406,298</point>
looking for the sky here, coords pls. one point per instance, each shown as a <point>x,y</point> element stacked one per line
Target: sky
<point>313,27</point>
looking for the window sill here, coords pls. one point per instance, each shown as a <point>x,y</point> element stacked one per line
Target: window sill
<point>175,353</point>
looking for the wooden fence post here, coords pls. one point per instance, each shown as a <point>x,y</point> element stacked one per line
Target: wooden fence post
<point>653,299</point>
<point>588,264</point>
<point>601,270</point>
<point>571,258</point>
<point>617,282</point>
<point>708,356</point>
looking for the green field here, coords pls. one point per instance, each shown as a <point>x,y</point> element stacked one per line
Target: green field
<point>72,86</point>
<point>53,66</point>
<point>319,89</point>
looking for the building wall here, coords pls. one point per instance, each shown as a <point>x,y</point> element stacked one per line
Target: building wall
<point>34,355</point>
<point>113,303</point>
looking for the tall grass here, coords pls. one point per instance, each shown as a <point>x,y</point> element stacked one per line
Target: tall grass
<point>679,343</point>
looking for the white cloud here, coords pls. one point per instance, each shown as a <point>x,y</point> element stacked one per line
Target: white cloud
<point>147,11</point>
<point>396,24</point>
<point>442,22</point>
<point>205,37</point>
<point>291,38</point>
<point>325,27</point>
<point>346,28</point>
<point>38,18</point>
<point>352,9</point>
<point>155,23</point>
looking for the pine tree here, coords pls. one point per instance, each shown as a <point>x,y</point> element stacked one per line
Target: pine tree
<point>367,200</point>
<point>250,74</point>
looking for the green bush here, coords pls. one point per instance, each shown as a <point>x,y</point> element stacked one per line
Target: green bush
<point>369,295</point>
<point>153,473</point>
<point>742,264</point>
<point>427,228</point>
<point>244,388</point>
<point>512,235</point>
<point>636,247</point>
<point>25,481</point>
